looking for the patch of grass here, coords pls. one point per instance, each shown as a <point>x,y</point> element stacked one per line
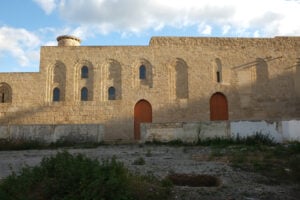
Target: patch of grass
<point>19,145</point>
<point>76,177</point>
<point>6,145</point>
<point>257,139</point>
<point>281,162</point>
<point>170,143</point>
<point>62,144</point>
<point>139,161</point>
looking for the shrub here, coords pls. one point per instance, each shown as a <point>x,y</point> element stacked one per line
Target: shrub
<point>256,139</point>
<point>65,176</point>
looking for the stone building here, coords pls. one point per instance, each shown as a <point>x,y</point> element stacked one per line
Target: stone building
<point>173,79</point>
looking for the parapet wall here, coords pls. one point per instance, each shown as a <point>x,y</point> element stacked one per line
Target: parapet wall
<point>75,133</point>
<point>279,131</point>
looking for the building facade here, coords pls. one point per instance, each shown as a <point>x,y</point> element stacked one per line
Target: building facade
<point>173,79</point>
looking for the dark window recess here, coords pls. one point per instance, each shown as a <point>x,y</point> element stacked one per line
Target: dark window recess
<point>142,72</point>
<point>2,98</point>
<point>84,94</point>
<point>84,72</point>
<point>111,93</point>
<point>218,77</point>
<point>56,94</point>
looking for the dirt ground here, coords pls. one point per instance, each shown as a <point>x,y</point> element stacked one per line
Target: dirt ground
<point>164,160</point>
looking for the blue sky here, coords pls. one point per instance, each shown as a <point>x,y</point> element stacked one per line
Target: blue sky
<point>26,25</point>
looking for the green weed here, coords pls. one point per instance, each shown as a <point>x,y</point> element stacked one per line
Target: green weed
<point>281,162</point>
<point>139,161</point>
<point>76,177</point>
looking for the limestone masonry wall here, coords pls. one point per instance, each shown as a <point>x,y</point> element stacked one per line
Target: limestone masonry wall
<point>192,132</point>
<point>183,79</point>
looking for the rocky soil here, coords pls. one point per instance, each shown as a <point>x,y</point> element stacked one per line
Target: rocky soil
<point>161,161</point>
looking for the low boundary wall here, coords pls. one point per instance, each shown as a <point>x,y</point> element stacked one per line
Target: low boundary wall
<point>279,131</point>
<point>75,133</point>
<point>191,132</point>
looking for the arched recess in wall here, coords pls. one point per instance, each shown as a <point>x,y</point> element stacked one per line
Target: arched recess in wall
<point>5,93</point>
<point>84,78</point>
<point>143,73</point>
<point>114,80</point>
<point>178,77</point>
<point>262,74</point>
<point>142,114</point>
<point>57,79</point>
<point>218,107</point>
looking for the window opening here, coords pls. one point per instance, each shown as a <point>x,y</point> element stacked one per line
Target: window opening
<point>84,94</point>
<point>218,77</point>
<point>111,93</point>
<point>84,72</point>
<point>56,94</point>
<point>142,72</point>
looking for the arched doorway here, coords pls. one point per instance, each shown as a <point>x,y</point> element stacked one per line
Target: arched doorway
<point>142,113</point>
<point>218,107</point>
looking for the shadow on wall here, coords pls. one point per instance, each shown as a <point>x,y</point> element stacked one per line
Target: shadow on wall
<point>266,99</point>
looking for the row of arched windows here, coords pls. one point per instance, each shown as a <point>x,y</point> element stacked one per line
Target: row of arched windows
<point>84,94</point>
<point>84,90</point>
<point>85,72</point>
<point>179,73</point>
<point>142,71</point>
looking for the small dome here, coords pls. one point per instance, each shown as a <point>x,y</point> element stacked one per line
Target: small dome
<point>67,40</point>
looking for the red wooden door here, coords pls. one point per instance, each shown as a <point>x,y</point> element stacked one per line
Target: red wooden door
<point>142,113</point>
<point>218,107</point>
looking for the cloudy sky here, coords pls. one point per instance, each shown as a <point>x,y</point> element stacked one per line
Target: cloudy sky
<point>25,25</point>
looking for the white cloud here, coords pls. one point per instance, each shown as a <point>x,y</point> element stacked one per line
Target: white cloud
<point>240,18</point>
<point>20,44</point>
<point>225,29</point>
<point>205,29</point>
<point>47,5</point>
<point>89,18</point>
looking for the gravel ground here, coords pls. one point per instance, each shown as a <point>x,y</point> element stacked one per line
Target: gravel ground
<point>163,160</point>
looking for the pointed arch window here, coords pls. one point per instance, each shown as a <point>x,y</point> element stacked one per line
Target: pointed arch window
<point>84,72</point>
<point>111,93</point>
<point>56,94</point>
<point>142,72</point>
<point>84,94</point>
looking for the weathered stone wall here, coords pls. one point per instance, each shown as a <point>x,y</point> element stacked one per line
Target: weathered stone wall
<point>83,133</point>
<point>278,131</point>
<point>259,79</point>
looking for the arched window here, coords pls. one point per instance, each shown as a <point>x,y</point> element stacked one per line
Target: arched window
<point>5,93</point>
<point>111,93</point>
<point>56,94</point>
<point>142,72</point>
<point>84,72</point>
<point>84,94</point>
